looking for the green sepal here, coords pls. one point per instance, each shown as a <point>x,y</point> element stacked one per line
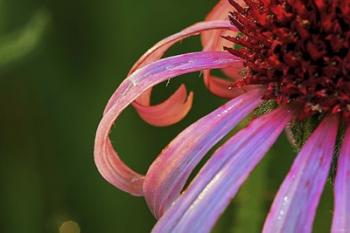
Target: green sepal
<point>299,131</point>
<point>265,107</point>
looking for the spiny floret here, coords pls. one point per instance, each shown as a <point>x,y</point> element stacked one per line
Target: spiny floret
<point>298,49</point>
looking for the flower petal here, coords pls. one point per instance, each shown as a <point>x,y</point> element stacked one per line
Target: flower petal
<point>213,41</point>
<point>106,159</point>
<point>341,215</point>
<point>158,50</point>
<point>155,53</point>
<point>172,110</point>
<point>198,208</point>
<point>168,174</point>
<point>295,204</point>
<point>224,88</point>
<point>234,72</point>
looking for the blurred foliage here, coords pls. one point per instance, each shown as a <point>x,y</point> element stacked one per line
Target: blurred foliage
<point>52,101</point>
<point>20,43</point>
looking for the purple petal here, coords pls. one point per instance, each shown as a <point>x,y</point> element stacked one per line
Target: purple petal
<point>106,158</point>
<point>168,174</point>
<point>198,208</point>
<point>294,207</point>
<point>341,216</point>
<point>174,108</point>
<point>158,50</point>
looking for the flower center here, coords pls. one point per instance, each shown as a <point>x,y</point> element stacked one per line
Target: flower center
<point>298,49</point>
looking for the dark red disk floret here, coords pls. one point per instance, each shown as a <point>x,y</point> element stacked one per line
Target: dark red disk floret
<point>298,49</point>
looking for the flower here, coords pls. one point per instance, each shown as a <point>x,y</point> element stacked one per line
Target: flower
<point>293,53</point>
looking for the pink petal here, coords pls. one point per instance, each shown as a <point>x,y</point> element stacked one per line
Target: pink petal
<point>168,174</point>
<point>221,87</point>
<point>158,50</point>
<point>224,88</point>
<point>341,215</point>
<point>172,110</point>
<point>213,41</point>
<point>106,159</point>
<point>234,72</point>
<point>199,207</point>
<point>294,207</point>
<point>155,53</point>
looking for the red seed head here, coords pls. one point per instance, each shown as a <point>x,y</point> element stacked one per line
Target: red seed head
<point>298,49</point>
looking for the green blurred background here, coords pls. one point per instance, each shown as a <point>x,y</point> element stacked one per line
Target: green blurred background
<point>59,63</point>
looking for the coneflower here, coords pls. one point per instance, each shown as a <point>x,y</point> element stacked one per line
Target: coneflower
<point>292,53</point>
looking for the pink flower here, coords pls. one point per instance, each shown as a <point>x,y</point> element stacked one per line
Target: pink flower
<point>294,53</point>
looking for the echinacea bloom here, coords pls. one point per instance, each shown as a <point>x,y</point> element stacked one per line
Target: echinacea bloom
<point>293,53</point>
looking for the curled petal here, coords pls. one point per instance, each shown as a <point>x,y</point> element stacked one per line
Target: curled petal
<point>155,53</point>
<point>106,159</point>
<point>198,208</point>
<point>158,50</point>
<point>172,110</point>
<point>234,72</point>
<point>295,204</point>
<point>341,215</point>
<point>168,174</point>
<point>212,40</point>
<point>221,87</point>
<point>224,88</point>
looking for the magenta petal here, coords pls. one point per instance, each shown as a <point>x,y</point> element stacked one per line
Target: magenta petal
<point>341,215</point>
<point>169,173</point>
<point>158,50</point>
<point>106,158</point>
<point>294,207</point>
<point>142,103</point>
<point>199,207</point>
